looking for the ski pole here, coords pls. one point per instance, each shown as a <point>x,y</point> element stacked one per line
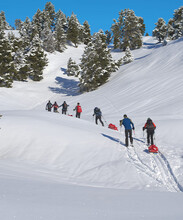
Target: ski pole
<point>104,120</point>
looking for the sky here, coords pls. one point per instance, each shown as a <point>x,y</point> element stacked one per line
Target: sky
<point>98,13</point>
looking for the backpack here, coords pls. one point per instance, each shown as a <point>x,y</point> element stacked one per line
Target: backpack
<point>49,105</point>
<point>79,109</point>
<point>150,125</point>
<point>97,111</point>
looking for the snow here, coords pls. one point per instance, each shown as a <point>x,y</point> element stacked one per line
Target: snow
<point>54,166</point>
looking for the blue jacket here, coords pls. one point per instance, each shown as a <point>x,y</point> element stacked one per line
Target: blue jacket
<point>127,123</point>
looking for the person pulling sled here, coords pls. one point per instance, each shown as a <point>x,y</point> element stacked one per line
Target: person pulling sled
<point>78,110</point>
<point>128,124</point>
<point>149,127</point>
<point>98,116</point>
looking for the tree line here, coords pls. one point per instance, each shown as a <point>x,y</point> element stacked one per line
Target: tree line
<point>24,57</point>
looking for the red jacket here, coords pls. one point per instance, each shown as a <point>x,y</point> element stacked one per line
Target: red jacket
<point>78,109</point>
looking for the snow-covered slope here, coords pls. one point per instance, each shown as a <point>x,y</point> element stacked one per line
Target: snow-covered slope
<point>50,150</point>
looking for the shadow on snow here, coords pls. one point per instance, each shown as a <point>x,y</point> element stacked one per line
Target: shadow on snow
<point>68,87</point>
<point>114,139</point>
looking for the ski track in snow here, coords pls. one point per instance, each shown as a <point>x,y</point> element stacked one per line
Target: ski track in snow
<point>156,166</point>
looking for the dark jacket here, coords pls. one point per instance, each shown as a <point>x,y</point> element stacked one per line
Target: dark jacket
<point>149,125</point>
<point>97,112</point>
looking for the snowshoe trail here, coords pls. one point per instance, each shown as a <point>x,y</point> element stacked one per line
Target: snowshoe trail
<point>155,166</point>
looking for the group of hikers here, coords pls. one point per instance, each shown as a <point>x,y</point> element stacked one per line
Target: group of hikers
<point>129,126</point>
<point>64,106</point>
<point>126,122</point>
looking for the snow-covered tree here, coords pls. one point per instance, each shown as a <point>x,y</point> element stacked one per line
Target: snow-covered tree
<point>72,68</point>
<point>128,57</point>
<point>73,31</point>
<point>60,35</point>
<point>108,37</point>
<point>128,30</point>
<point>170,29</point>
<point>142,25</point>
<point>160,31</point>
<point>18,24</point>
<point>3,23</point>
<point>178,23</point>
<point>86,35</point>
<point>38,21</point>
<point>36,60</point>
<point>19,58</point>
<point>116,30</point>
<point>61,18</point>
<point>96,63</point>
<point>26,33</point>
<point>6,62</point>
<point>47,37</point>
<point>50,11</point>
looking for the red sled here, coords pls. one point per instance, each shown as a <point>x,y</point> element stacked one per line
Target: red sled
<point>153,149</point>
<point>70,115</point>
<point>111,126</point>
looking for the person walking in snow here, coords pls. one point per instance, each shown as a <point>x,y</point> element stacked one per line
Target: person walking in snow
<point>78,110</point>
<point>55,107</point>
<point>128,125</point>
<point>98,115</point>
<point>49,106</point>
<point>150,127</point>
<point>64,107</point>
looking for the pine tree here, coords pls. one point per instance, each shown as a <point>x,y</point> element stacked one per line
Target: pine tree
<point>86,33</point>
<point>6,62</point>
<point>18,24</point>
<point>160,31</point>
<point>170,29</point>
<point>128,30</point>
<point>36,60</point>
<point>128,57</point>
<point>26,33</point>
<point>3,23</point>
<point>96,63</point>
<point>132,30</point>
<point>108,37</point>
<point>61,17</point>
<point>19,58</point>
<point>47,37</point>
<point>142,25</point>
<point>38,21</point>
<point>73,30</point>
<point>60,36</point>
<point>116,30</point>
<point>72,68</point>
<point>178,23</point>
<point>50,9</point>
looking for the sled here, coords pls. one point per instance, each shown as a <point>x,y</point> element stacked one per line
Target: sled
<point>153,149</point>
<point>113,127</point>
<point>70,115</point>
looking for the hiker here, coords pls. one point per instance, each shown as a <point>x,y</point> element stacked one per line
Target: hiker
<point>64,107</point>
<point>98,115</point>
<point>55,107</point>
<point>128,124</point>
<point>150,127</point>
<point>78,110</point>
<point>49,106</point>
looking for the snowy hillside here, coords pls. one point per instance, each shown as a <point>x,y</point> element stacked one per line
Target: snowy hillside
<point>54,165</point>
